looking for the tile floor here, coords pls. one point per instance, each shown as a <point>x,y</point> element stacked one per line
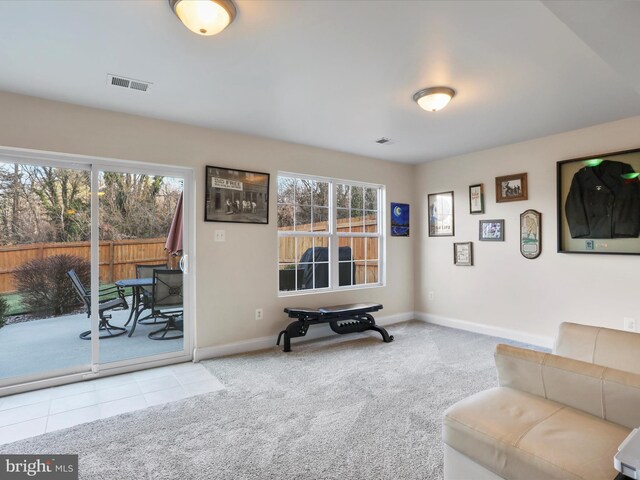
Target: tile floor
<point>29,414</point>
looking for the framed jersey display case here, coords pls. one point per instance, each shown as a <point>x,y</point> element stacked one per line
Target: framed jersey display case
<point>599,204</point>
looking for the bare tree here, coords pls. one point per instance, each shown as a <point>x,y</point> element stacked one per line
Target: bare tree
<point>136,206</point>
<point>64,197</point>
<point>48,204</point>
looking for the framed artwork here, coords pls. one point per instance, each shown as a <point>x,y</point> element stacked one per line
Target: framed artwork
<point>237,196</point>
<point>530,234</point>
<point>441,216</point>
<point>492,230</point>
<point>463,254</point>
<point>476,198</point>
<point>599,204</point>
<point>399,219</point>
<point>511,188</point>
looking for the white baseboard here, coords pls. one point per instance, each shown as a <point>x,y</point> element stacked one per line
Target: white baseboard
<point>397,318</point>
<point>518,336</point>
<point>262,343</point>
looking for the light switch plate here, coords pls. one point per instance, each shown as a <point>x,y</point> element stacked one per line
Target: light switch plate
<point>219,236</point>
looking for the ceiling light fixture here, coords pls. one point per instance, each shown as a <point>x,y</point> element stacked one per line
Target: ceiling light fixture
<point>434,98</point>
<point>204,17</point>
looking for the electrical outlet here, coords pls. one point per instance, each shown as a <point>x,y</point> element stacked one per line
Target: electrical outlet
<point>629,324</point>
<point>430,295</point>
<point>219,236</point>
<point>258,314</point>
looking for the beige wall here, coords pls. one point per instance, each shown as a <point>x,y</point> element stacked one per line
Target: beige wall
<point>238,276</point>
<point>504,290</point>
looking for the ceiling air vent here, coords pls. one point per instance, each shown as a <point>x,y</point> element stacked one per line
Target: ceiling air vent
<point>142,86</point>
<point>129,83</point>
<point>384,140</point>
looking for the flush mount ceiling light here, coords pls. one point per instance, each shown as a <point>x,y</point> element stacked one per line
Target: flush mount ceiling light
<point>434,98</point>
<point>204,17</point>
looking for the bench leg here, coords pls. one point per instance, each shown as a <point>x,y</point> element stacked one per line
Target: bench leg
<point>359,323</point>
<point>287,341</point>
<point>294,329</point>
<point>386,338</point>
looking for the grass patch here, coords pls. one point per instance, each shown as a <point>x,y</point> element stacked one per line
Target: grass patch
<point>15,304</point>
<point>16,307</point>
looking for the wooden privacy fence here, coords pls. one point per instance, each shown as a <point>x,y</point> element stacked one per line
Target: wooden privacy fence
<point>364,250</point>
<point>118,258</point>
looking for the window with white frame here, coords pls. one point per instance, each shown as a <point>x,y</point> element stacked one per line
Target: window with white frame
<point>329,233</point>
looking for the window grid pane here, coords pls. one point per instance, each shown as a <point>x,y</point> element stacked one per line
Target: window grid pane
<point>286,190</point>
<point>304,188</point>
<point>371,221</point>
<point>343,220</point>
<point>357,220</point>
<point>343,196</point>
<point>320,219</point>
<point>321,194</point>
<point>285,217</point>
<point>372,273</point>
<point>371,199</point>
<point>357,198</point>
<point>372,248</point>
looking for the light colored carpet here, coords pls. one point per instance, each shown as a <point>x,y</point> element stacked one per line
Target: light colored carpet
<point>348,407</point>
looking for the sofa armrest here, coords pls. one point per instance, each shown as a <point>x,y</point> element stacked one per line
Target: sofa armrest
<point>607,393</point>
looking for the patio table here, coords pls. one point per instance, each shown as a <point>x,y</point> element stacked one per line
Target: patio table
<point>136,284</point>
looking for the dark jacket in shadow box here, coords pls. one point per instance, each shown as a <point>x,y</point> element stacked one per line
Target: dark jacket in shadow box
<point>602,203</point>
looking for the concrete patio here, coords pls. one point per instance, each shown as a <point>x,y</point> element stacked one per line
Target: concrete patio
<point>50,344</point>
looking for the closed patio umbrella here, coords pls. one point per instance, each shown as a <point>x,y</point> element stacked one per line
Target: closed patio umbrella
<point>174,238</point>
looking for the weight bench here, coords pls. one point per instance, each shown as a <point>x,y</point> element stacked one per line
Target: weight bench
<point>352,318</point>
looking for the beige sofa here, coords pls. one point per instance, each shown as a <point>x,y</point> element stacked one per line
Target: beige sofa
<point>554,416</point>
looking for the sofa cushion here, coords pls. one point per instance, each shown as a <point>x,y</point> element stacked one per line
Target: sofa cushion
<point>522,436</point>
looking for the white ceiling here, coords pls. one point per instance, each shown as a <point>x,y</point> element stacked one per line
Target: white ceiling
<point>340,74</point>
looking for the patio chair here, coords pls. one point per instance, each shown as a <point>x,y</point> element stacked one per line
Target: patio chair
<point>146,293</point>
<point>105,329</point>
<point>167,302</point>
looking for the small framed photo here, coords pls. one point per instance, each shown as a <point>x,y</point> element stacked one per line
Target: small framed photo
<point>511,188</point>
<point>441,217</point>
<point>476,199</point>
<point>463,254</point>
<point>237,196</point>
<point>492,230</point>
<point>399,219</point>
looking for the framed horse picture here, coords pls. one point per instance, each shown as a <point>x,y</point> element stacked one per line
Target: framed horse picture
<point>512,188</point>
<point>236,196</point>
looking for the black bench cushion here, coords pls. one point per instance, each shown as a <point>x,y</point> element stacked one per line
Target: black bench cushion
<point>334,310</point>
<point>301,310</point>
<point>350,308</point>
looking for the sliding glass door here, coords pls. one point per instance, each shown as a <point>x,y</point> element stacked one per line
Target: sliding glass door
<point>138,212</point>
<point>94,275</point>
<point>45,235</point>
